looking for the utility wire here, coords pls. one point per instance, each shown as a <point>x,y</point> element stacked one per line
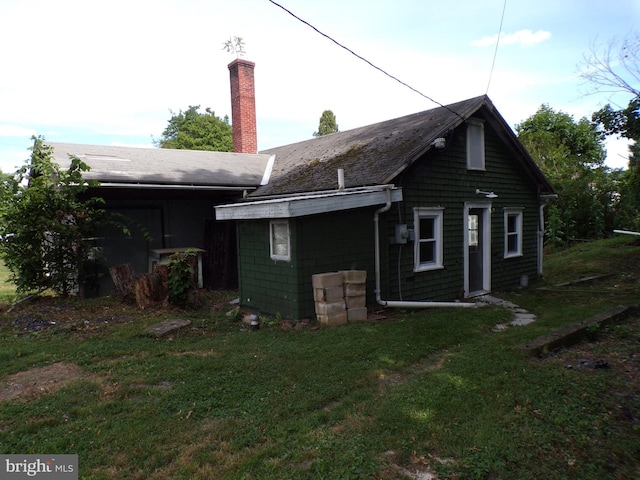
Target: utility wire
<point>364,59</point>
<point>495,53</point>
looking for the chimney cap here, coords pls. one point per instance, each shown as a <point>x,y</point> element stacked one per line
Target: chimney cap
<point>242,61</point>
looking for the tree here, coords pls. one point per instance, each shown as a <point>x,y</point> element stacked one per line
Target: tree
<point>192,130</point>
<point>571,155</point>
<point>327,124</point>
<point>615,68</point>
<point>626,123</point>
<point>44,223</point>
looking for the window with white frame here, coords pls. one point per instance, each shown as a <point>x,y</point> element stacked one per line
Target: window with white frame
<point>512,232</point>
<point>475,144</point>
<point>280,240</point>
<point>428,238</point>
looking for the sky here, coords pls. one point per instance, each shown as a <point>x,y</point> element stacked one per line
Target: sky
<point>112,72</point>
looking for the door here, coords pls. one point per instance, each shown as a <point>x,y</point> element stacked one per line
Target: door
<point>475,240</point>
<point>221,259</point>
<point>477,244</point>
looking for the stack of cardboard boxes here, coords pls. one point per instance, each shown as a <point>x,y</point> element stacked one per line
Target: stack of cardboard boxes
<point>355,294</point>
<point>340,297</point>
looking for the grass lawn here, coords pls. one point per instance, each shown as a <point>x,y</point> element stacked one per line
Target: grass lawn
<point>421,392</point>
<point>7,290</point>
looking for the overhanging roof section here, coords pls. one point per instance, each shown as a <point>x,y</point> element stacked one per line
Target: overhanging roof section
<point>309,204</point>
<point>130,167</point>
<point>376,154</point>
<point>371,155</point>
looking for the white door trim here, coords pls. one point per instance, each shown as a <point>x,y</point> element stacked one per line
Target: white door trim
<point>486,246</point>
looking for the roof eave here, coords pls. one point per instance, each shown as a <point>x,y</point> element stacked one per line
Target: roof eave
<point>311,204</point>
<point>166,186</point>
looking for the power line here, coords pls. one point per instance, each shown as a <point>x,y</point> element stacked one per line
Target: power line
<point>495,53</point>
<point>364,59</point>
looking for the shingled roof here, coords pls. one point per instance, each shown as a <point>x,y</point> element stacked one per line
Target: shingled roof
<point>376,154</point>
<point>163,167</point>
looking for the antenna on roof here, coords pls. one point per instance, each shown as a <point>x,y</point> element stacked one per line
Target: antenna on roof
<point>234,45</point>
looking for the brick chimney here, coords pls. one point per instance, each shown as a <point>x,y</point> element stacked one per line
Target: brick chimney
<point>243,106</point>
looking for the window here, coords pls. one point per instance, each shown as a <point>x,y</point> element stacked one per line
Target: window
<point>428,234</point>
<point>279,240</point>
<point>474,230</point>
<point>475,144</point>
<point>512,232</point>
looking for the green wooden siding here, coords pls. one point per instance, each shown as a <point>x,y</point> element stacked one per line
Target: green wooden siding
<point>319,244</point>
<point>441,179</point>
<point>266,285</point>
<point>332,242</point>
<point>345,240</point>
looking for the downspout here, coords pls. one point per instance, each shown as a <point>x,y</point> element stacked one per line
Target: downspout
<point>546,199</point>
<point>400,304</point>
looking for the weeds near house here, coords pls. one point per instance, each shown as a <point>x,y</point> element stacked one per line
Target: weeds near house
<point>432,391</point>
<point>181,280</point>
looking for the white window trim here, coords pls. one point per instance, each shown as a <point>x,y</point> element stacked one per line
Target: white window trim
<point>275,256</point>
<point>475,123</point>
<point>518,212</point>
<point>437,215</point>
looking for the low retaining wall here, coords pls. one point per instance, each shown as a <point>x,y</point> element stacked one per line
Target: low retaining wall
<point>576,332</point>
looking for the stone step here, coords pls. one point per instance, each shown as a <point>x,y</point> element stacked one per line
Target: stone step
<point>167,327</point>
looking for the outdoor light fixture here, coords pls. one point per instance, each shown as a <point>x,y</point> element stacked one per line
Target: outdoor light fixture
<point>439,143</point>
<point>486,194</point>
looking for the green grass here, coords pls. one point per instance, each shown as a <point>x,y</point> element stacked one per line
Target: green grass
<point>429,388</point>
<point>7,290</point>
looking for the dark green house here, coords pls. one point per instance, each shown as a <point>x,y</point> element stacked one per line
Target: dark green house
<point>437,206</point>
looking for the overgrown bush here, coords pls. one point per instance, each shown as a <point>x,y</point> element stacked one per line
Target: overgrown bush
<point>44,223</point>
<point>181,278</point>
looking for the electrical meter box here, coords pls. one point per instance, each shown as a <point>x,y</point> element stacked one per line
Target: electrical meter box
<point>402,233</point>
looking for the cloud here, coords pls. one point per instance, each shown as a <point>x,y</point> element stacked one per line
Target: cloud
<point>15,131</point>
<point>521,37</point>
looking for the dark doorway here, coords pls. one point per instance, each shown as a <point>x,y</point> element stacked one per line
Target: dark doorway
<point>221,260</point>
<point>476,247</point>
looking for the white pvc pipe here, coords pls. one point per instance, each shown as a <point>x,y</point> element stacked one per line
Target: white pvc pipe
<point>626,232</point>
<point>540,236</point>
<point>406,304</point>
<point>401,304</point>
<point>376,229</point>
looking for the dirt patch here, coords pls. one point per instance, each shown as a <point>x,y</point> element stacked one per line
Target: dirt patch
<point>56,315</point>
<point>196,353</point>
<point>386,381</point>
<point>419,467</point>
<point>39,381</point>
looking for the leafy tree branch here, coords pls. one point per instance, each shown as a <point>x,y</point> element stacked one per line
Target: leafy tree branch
<point>44,222</point>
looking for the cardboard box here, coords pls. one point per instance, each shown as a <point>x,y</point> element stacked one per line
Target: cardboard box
<point>357,314</point>
<point>326,280</point>
<point>333,320</point>
<point>354,276</point>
